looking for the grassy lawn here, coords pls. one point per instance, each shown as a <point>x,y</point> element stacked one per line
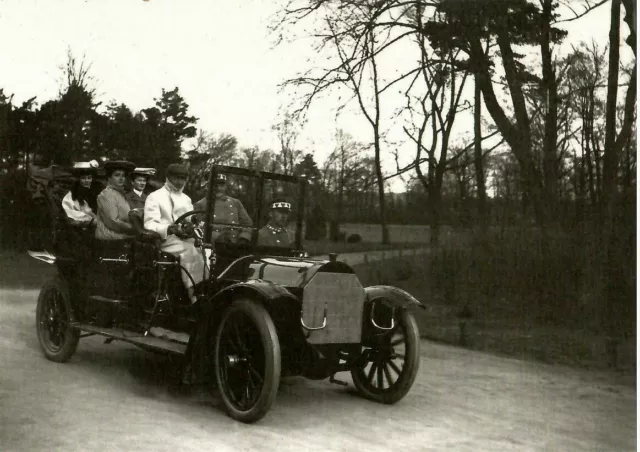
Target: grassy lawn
<point>321,247</point>
<point>513,306</point>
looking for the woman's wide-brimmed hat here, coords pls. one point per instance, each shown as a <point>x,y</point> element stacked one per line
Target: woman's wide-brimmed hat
<point>146,172</point>
<point>113,165</point>
<point>83,168</point>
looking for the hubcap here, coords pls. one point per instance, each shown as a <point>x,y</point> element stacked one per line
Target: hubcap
<point>385,361</point>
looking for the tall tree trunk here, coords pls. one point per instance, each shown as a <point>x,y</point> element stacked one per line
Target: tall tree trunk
<point>610,166</point>
<point>435,204</point>
<point>517,135</point>
<point>478,161</point>
<point>616,303</point>
<point>381,197</point>
<point>551,113</point>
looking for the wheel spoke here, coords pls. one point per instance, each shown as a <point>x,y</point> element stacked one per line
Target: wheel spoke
<point>387,374</point>
<point>233,346</point>
<point>241,345</point>
<point>400,355</point>
<point>380,378</point>
<point>371,372</point>
<point>255,373</point>
<point>399,341</point>
<point>246,394</point>
<point>394,367</point>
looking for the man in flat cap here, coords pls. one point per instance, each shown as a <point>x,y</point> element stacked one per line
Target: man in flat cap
<point>275,232</point>
<point>227,211</point>
<point>161,209</point>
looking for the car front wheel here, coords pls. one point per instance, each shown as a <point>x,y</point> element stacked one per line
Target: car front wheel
<point>247,360</point>
<point>389,362</point>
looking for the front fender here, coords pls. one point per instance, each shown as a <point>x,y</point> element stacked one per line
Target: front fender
<point>398,297</point>
<point>264,290</point>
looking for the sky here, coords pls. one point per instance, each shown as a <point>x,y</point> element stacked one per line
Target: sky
<point>218,52</point>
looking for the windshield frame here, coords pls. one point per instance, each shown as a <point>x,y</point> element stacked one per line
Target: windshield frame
<point>261,177</point>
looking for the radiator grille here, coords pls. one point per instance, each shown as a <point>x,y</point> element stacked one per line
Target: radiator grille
<point>343,296</point>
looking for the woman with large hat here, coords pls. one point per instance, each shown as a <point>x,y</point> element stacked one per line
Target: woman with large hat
<point>77,203</point>
<point>113,209</point>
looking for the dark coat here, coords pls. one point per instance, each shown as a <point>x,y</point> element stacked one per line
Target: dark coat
<point>135,201</point>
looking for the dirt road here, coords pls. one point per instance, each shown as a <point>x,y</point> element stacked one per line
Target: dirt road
<point>116,397</point>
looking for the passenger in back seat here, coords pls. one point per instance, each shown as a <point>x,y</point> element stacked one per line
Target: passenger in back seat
<point>139,178</point>
<point>113,208</point>
<point>76,203</point>
<point>136,199</point>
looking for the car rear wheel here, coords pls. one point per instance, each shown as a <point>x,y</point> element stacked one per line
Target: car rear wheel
<point>57,338</point>
<point>390,362</point>
<point>247,360</point>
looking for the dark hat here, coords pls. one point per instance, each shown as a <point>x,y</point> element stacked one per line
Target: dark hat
<point>82,168</point>
<point>281,204</point>
<point>114,165</point>
<point>220,178</point>
<point>146,172</point>
<point>177,169</point>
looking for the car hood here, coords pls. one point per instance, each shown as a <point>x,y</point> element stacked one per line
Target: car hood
<point>286,272</point>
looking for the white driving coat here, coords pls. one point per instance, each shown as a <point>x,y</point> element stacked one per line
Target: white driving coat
<point>161,209</point>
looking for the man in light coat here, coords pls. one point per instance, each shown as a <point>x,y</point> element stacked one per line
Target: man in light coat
<point>161,209</point>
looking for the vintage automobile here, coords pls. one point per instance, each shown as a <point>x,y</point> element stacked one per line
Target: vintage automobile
<point>262,313</point>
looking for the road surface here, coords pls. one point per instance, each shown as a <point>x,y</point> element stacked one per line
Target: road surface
<point>116,397</point>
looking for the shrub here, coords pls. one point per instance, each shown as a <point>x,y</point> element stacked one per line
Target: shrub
<point>354,238</point>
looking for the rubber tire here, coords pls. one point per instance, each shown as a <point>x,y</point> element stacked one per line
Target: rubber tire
<point>71,335</point>
<point>271,345</point>
<point>408,374</point>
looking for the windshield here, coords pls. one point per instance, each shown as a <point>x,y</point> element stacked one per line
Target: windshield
<point>252,208</point>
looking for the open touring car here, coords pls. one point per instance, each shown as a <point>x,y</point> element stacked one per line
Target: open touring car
<point>263,312</point>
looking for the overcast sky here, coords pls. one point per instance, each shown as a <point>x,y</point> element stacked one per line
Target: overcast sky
<point>218,52</point>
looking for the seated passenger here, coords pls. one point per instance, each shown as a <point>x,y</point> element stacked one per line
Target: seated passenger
<point>113,208</point>
<point>76,203</point>
<point>227,211</point>
<point>139,178</point>
<point>275,232</point>
<point>161,209</point>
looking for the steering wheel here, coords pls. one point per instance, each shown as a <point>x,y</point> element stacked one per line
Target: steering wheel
<point>200,233</point>
<point>182,219</point>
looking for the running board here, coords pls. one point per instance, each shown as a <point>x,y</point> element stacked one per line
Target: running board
<point>134,338</point>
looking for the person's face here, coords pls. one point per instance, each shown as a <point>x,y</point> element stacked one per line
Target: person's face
<point>221,189</point>
<point>280,217</point>
<point>178,180</point>
<point>117,178</point>
<point>85,180</point>
<point>139,182</point>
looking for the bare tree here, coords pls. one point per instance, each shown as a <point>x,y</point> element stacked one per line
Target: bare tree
<point>435,110</point>
<point>352,34</point>
<point>288,131</point>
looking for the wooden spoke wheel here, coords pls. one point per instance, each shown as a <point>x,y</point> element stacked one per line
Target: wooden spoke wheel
<point>390,362</point>
<point>247,360</point>
<point>57,338</point>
